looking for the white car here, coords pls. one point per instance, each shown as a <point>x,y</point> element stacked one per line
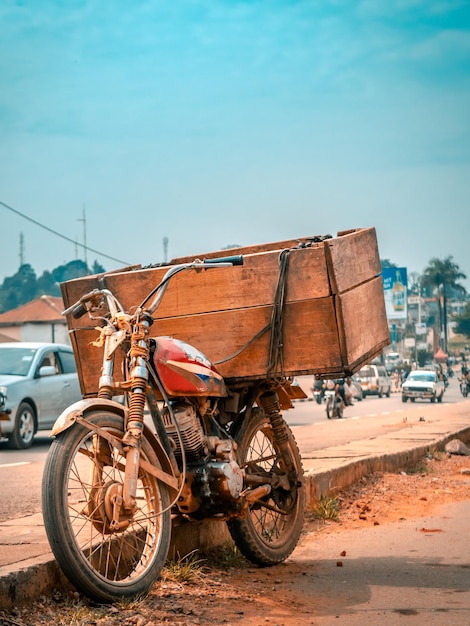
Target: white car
<point>37,382</point>
<point>374,381</point>
<point>423,384</point>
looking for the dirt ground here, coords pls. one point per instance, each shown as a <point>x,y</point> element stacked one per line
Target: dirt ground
<point>223,588</point>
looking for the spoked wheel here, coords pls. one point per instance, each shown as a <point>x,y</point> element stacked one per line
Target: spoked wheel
<point>271,528</point>
<point>106,552</point>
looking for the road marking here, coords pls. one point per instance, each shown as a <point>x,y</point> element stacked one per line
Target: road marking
<point>15,464</point>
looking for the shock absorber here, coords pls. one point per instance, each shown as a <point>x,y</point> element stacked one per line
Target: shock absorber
<point>270,404</point>
<point>139,353</point>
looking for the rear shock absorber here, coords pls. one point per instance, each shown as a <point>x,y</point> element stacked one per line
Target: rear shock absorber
<point>270,404</point>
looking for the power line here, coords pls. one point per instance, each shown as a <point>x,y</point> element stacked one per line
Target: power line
<point>54,232</point>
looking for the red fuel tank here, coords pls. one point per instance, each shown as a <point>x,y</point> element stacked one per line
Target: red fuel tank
<point>185,371</point>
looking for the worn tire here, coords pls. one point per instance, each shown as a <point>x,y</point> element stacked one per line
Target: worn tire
<point>82,475</point>
<point>265,536</point>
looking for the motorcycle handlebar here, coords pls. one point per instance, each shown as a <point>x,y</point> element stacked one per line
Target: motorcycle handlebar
<point>80,308</point>
<point>79,311</point>
<point>232,260</point>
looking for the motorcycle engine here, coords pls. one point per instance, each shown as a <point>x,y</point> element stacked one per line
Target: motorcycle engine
<point>190,430</point>
<point>213,477</point>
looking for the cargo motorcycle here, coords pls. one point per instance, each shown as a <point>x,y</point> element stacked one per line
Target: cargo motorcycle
<point>165,439</point>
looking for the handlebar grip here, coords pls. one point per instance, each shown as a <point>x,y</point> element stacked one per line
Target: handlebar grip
<point>79,311</point>
<point>234,260</point>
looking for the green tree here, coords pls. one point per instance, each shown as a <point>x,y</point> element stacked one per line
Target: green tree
<point>74,269</point>
<point>462,326</point>
<point>441,276</point>
<point>46,285</point>
<point>24,286</point>
<point>387,263</point>
<point>97,268</point>
<point>18,289</point>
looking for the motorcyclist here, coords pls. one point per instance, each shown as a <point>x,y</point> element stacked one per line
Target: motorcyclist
<point>318,389</point>
<point>465,376</point>
<point>349,391</point>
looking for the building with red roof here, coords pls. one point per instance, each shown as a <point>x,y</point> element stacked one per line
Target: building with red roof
<point>38,320</point>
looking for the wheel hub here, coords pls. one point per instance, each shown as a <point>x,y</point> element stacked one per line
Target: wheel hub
<point>108,515</point>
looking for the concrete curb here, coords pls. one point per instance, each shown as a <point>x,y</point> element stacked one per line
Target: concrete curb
<point>29,578</point>
<point>334,480</point>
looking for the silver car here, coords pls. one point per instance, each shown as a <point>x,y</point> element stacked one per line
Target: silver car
<point>37,382</point>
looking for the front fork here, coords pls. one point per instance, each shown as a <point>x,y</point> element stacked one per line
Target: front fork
<point>136,386</point>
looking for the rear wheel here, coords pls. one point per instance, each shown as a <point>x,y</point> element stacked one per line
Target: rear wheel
<point>271,527</point>
<point>108,553</point>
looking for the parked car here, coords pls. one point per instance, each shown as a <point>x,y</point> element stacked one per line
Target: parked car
<point>374,380</point>
<point>37,382</point>
<point>423,384</point>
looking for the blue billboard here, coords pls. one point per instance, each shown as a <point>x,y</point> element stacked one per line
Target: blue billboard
<point>395,284</point>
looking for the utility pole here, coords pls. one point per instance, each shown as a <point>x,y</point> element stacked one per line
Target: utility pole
<point>83,219</point>
<point>165,249</point>
<point>21,250</point>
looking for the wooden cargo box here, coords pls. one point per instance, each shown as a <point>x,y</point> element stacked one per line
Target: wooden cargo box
<point>317,308</point>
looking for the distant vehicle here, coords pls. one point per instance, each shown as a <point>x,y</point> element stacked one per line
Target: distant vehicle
<point>423,384</point>
<point>37,382</point>
<point>392,360</point>
<point>359,393</point>
<point>374,380</point>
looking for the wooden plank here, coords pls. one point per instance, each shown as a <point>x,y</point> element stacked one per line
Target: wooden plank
<point>189,293</point>
<point>362,320</point>
<point>352,259</point>
<point>253,284</point>
<point>310,337</point>
<point>255,249</point>
<point>310,340</point>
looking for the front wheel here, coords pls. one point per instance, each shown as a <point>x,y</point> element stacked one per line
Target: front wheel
<point>272,525</point>
<point>24,428</point>
<point>107,555</point>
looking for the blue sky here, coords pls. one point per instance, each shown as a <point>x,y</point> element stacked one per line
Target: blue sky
<point>220,122</point>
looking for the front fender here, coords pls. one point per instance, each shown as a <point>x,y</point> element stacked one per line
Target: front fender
<point>80,408</point>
